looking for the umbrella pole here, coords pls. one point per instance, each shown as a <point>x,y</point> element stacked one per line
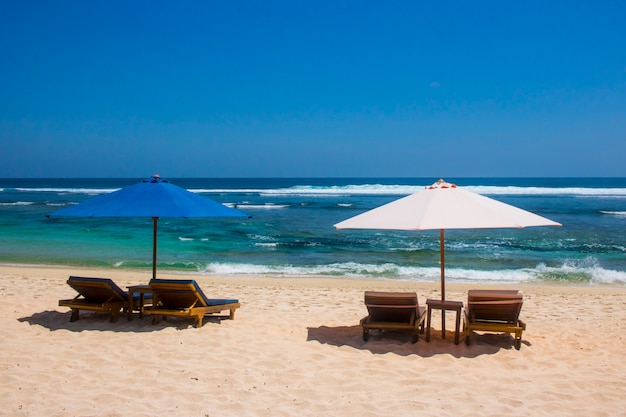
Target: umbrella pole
<point>154,247</point>
<point>442,251</point>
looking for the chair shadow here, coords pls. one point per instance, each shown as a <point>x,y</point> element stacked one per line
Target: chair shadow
<point>400,342</point>
<point>93,321</point>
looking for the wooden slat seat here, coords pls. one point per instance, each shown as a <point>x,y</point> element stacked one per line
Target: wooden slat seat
<point>95,294</point>
<point>494,311</point>
<point>393,311</point>
<point>184,298</point>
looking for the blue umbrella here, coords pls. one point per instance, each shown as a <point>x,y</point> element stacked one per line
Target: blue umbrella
<point>154,197</point>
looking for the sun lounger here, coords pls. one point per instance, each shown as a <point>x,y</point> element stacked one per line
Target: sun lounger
<point>394,311</point>
<point>95,294</point>
<point>184,298</point>
<point>494,311</point>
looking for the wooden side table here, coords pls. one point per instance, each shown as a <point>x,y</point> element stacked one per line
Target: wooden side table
<point>142,290</point>
<point>443,306</point>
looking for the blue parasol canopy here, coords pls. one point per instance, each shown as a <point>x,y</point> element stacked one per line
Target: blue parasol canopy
<point>155,198</point>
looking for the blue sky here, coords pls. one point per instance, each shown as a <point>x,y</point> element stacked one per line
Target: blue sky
<point>312,88</point>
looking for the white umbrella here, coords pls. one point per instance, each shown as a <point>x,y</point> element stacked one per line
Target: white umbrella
<point>444,206</point>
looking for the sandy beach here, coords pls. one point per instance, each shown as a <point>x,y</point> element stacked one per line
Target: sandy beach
<point>295,348</point>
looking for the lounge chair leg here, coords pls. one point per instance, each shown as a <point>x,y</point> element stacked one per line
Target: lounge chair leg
<point>232,314</point>
<point>114,316</point>
<point>75,316</point>
<point>366,335</point>
<point>155,319</point>
<point>467,339</point>
<point>199,321</point>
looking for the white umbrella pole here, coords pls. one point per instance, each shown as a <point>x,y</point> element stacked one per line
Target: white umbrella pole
<point>443,285</point>
<point>442,251</point>
<point>154,247</point>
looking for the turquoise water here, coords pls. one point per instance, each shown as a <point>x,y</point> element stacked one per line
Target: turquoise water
<point>291,231</point>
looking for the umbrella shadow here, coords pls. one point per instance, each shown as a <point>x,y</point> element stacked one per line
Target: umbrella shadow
<point>55,320</point>
<point>400,342</point>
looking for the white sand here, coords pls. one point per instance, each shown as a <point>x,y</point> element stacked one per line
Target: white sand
<point>295,349</point>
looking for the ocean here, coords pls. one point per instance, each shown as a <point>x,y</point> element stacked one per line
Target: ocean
<point>290,233</point>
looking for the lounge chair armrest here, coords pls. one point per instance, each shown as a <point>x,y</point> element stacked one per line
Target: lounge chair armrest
<point>494,302</point>
<point>405,306</point>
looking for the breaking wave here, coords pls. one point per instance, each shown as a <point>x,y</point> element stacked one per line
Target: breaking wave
<point>566,273</point>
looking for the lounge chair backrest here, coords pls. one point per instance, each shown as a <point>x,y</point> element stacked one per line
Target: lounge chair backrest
<point>400,299</point>
<point>491,295</point>
<point>97,290</point>
<point>494,305</point>
<point>183,293</point>
<point>391,306</point>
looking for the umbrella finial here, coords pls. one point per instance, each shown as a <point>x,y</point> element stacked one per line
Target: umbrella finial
<point>155,178</point>
<point>441,183</point>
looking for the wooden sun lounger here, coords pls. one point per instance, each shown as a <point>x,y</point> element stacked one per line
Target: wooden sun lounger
<point>95,294</point>
<point>494,311</point>
<point>394,311</point>
<point>184,298</point>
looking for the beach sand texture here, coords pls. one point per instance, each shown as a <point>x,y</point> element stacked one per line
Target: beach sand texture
<point>295,348</point>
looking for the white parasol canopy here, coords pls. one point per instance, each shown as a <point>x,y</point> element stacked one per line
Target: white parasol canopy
<point>444,206</point>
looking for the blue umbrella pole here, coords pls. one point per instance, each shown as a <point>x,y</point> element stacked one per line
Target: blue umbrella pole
<point>154,247</point>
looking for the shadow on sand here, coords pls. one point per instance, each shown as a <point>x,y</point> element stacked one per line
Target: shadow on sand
<point>55,320</point>
<point>400,342</point>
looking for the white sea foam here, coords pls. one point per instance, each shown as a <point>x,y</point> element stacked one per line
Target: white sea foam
<point>68,190</point>
<point>365,189</point>
<point>267,244</point>
<point>379,189</point>
<point>345,190</point>
<point>18,203</point>
<point>582,271</point>
<point>615,213</point>
<point>576,191</point>
<point>267,206</point>
<point>566,273</point>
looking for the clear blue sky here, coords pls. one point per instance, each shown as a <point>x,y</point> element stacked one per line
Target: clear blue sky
<point>312,88</point>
